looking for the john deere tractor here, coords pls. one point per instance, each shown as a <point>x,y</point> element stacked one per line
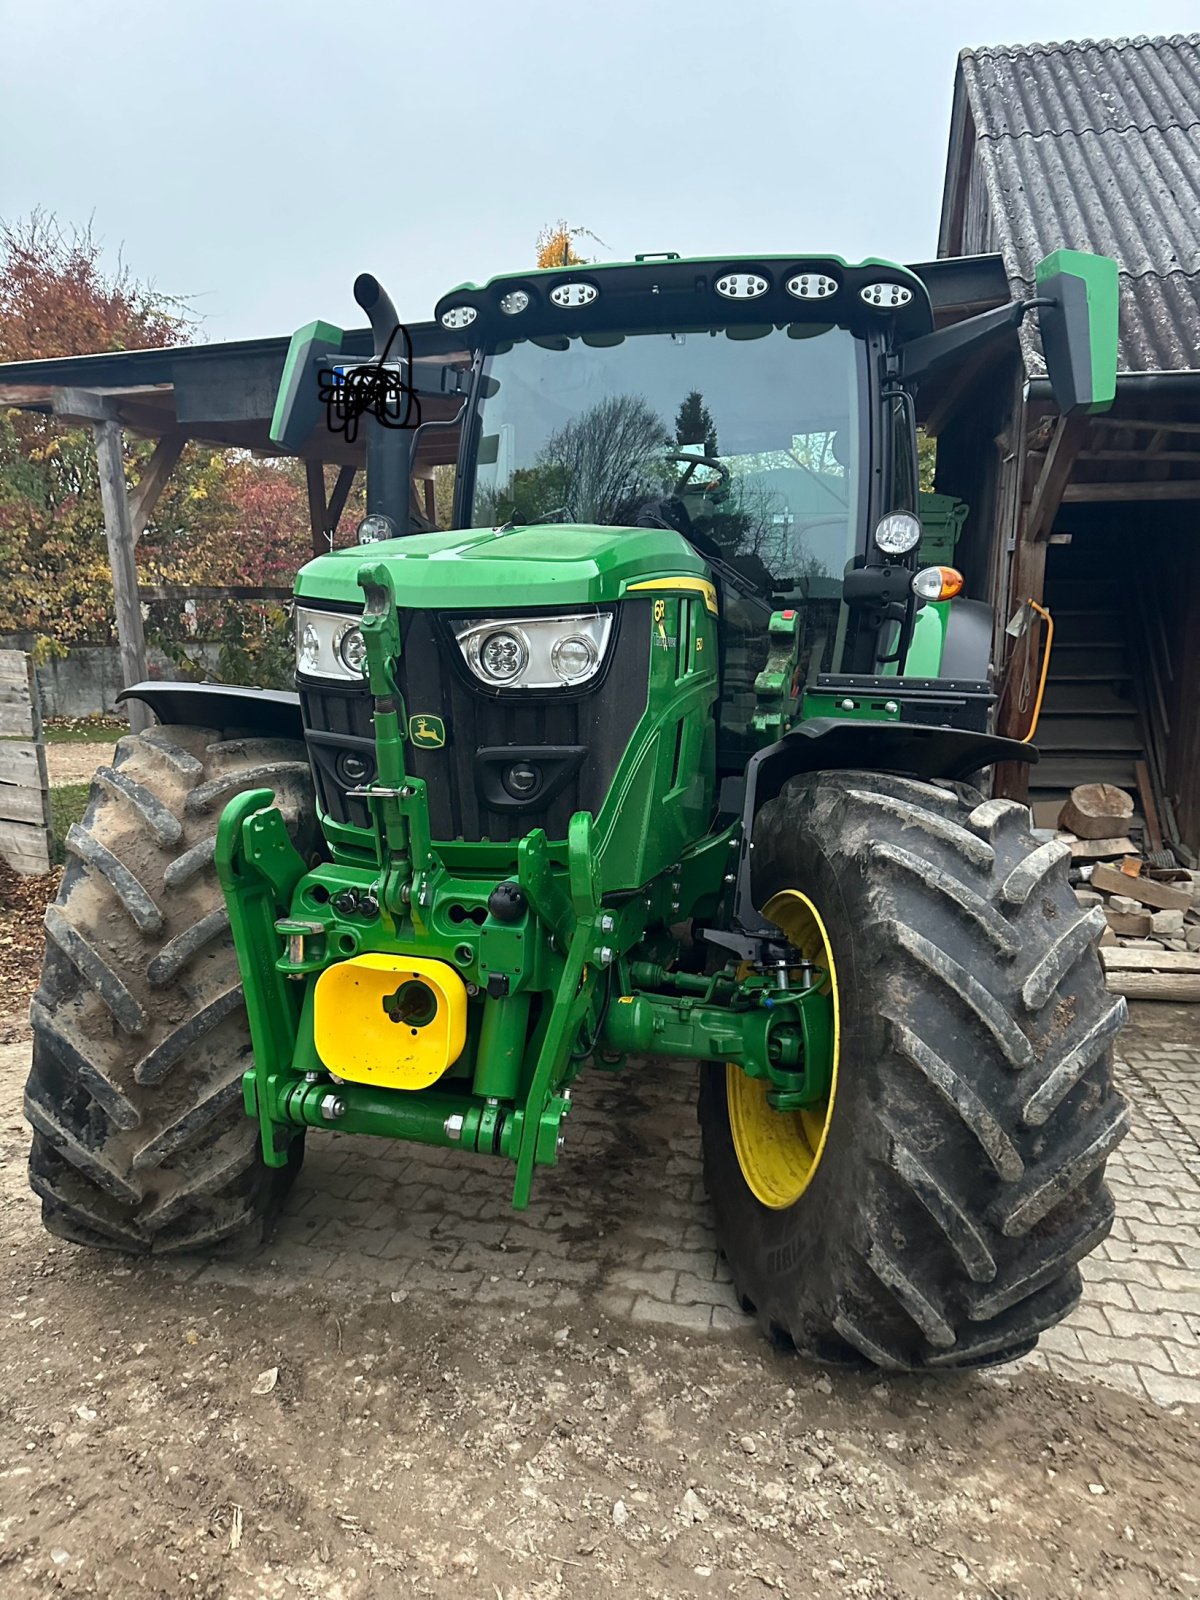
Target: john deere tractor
<point>673,744</point>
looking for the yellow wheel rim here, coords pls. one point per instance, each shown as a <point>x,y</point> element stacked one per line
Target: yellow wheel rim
<point>779,1151</point>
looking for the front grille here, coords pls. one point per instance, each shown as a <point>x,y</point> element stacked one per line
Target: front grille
<point>576,741</point>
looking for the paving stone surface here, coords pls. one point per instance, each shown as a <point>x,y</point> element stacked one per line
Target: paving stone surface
<point>623,1222</point>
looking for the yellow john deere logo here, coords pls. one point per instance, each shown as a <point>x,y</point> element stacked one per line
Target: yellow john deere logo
<point>427,731</point>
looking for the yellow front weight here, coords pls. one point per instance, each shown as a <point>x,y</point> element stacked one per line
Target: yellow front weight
<point>396,1022</point>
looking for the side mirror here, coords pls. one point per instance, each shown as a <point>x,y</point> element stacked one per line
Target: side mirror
<point>298,405</point>
<point>1079,331</point>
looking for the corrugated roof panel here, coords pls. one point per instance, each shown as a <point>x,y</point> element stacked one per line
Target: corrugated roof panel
<point>1096,146</point>
<point>1109,86</point>
<point>1134,196</point>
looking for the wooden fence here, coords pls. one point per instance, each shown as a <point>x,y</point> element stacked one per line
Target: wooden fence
<point>25,826</point>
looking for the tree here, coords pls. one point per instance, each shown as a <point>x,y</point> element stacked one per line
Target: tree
<point>556,245</point>
<point>224,518</point>
<point>57,299</point>
<point>694,424</point>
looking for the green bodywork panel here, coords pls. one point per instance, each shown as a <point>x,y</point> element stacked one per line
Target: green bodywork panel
<point>481,569</point>
<point>298,408</point>
<point>1080,336</point>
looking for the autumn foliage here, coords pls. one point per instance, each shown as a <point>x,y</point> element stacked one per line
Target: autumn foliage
<point>224,518</point>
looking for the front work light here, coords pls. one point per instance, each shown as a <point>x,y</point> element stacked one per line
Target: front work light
<point>885,296</point>
<point>459,317</point>
<point>898,533</point>
<point>375,527</point>
<point>534,652</point>
<point>937,583</point>
<point>741,286</point>
<point>514,302</point>
<point>566,295</point>
<point>811,286</point>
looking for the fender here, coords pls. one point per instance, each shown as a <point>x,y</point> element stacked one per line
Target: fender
<point>221,705</point>
<point>828,744</point>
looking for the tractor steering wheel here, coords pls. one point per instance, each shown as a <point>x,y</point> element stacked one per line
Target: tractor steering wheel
<point>684,485</point>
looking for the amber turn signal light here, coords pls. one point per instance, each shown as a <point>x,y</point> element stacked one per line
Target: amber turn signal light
<point>937,583</point>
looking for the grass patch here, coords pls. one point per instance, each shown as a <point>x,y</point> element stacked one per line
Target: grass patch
<point>68,803</point>
<point>84,730</point>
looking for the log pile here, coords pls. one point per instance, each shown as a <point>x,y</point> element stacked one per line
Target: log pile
<point>1151,945</point>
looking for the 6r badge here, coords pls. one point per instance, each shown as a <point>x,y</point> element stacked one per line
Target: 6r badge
<point>427,731</point>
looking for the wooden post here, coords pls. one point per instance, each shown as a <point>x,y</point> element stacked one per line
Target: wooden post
<point>118,528</point>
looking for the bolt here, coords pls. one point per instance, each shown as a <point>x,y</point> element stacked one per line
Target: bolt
<point>730,877</point>
<point>890,707</point>
<point>566,1094</point>
<point>604,956</point>
<point>734,842</point>
<point>472,990</point>
<point>332,1107</point>
<point>559,1143</point>
<point>846,705</point>
<point>312,1077</point>
<point>607,922</point>
<point>454,1126</point>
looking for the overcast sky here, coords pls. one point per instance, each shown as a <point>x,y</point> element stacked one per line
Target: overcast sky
<point>254,156</point>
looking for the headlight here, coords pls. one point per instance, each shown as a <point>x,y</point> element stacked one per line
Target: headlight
<point>375,527</point>
<point>352,649</point>
<point>898,533</point>
<point>534,652</point>
<point>329,644</point>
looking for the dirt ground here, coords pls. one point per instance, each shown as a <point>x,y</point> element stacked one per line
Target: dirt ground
<point>165,1434</point>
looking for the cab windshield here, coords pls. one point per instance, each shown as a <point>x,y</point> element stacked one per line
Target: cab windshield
<point>748,441</point>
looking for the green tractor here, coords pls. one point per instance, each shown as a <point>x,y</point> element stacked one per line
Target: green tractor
<point>671,746</point>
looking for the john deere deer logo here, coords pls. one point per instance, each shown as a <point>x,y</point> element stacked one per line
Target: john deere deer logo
<point>426,731</point>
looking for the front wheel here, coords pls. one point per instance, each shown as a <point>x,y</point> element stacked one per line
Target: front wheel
<point>932,1210</point>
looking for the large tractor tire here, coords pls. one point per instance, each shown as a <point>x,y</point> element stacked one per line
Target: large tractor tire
<point>140,1038</point>
<point>931,1211</point>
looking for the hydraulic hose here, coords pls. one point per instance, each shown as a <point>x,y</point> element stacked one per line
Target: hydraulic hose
<point>1037,705</point>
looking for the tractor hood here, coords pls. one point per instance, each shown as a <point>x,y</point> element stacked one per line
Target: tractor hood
<point>543,565</point>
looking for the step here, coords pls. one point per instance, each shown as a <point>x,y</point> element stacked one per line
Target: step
<point>1104,594</point>
<point>1088,627</point>
<point>1065,772</point>
<point>1105,658</point>
<point>1059,731</point>
<point>1092,698</point>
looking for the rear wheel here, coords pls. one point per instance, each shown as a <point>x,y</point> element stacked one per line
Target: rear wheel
<point>930,1212</point>
<point>140,1140</point>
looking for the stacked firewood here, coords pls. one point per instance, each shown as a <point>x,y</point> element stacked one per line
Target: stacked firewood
<point>1150,946</point>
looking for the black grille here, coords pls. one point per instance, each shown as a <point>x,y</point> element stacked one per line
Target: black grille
<point>574,742</point>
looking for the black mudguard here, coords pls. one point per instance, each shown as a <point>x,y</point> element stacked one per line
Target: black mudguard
<point>222,705</point>
<point>828,744</point>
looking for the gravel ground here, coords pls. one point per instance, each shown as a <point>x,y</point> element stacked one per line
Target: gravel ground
<point>226,1432</point>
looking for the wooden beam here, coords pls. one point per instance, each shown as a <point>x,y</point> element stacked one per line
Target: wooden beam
<point>153,481</point>
<point>1148,455</point>
<point>213,591</point>
<point>337,500</point>
<point>118,529</point>
<point>1146,425</point>
<point>82,405</point>
<point>1064,446</point>
<point>963,381</point>
<point>318,509</point>
<point>1182,986</point>
<point>1154,489</point>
